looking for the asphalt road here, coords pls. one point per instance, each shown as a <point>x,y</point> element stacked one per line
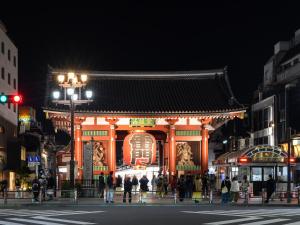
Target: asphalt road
<point>149,215</point>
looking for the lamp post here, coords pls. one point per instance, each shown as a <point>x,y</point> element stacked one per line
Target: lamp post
<point>70,83</point>
<point>92,143</point>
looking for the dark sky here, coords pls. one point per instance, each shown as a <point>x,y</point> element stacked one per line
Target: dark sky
<point>147,38</point>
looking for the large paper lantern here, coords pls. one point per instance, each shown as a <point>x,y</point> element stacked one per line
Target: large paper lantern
<point>139,148</point>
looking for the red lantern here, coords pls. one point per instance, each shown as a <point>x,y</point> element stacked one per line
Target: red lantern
<point>139,148</point>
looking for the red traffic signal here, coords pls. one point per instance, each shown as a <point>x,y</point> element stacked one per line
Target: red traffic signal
<point>16,99</point>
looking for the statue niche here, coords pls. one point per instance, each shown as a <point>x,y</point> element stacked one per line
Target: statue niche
<point>99,154</point>
<point>184,154</point>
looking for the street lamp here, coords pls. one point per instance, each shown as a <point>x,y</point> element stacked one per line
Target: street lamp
<point>70,82</point>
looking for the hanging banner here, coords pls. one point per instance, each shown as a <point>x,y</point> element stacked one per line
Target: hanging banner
<point>139,148</point>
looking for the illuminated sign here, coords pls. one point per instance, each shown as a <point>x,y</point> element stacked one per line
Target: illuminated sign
<point>138,122</point>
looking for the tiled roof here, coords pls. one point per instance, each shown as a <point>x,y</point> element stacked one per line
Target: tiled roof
<point>148,93</point>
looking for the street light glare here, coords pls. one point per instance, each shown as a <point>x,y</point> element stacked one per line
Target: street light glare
<point>75,97</point>
<point>61,78</point>
<point>89,94</point>
<point>70,91</point>
<point>71,76</point>
<point>83,78</point>
<point>56,94</point>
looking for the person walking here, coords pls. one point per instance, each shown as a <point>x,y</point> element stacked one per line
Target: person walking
<point>225,189</point>
<point>135,183</point>
<point>35,190</point>
<point>110,186</point>
<point>205,181</point>
<point>154,184</point>
<point>173,184</point>
<point>197,189</point>
<point>181,188</point>
<point>245,188</point>
<point>234,191</point>
<point>144,188</point>
<point>189,184</point>
<point>159,186</point>
<point>166,184</point>
<point>271,186</point>
<point>127,189</point>
<point>101,185</point>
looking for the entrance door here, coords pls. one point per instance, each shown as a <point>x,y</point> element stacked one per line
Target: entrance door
<point>259,175</point>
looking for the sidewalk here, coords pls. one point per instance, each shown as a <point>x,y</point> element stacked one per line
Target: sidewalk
<point>151,200</point>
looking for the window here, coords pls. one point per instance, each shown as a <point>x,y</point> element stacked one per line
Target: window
<point>8,54</point>
<point>8,78</point>
<point>15,83</point>
<point>266,117</point>
<point>2,48</point>
<point>2,73</point>
<point>15,61</point>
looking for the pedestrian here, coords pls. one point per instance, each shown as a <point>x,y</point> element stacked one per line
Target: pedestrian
<point>197,189</point>
<point>181,187</point>
<point>245,186</point>
<point>127,189</point>
<point>50,187</point>
<point>110,186</point>
<point>159,186</point>
<point>234,191</point>
<point>205,180</point>
<point>154,183</point>
<point>144,188</point>
<point>173,184</point>
<point>101,185</point>
<point>271,186</point>
<point>119,183</point>
<point>225,189</point>
<point>166,184</point>
<point>189,184</point>
<point>4,187</point>
<point>135,183</point>
<point>35,190</point>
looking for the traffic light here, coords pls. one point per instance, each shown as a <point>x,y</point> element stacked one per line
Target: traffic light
<point>15,99</point>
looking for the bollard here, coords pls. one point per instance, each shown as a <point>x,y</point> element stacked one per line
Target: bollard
<point>210,197</point>
<point>5,196</point>
<point>40,197</point>
<point>75,195</point>
<point>175,196</point>
<point>104,195</point>
<point>263,196</point>
<point>140,198</point>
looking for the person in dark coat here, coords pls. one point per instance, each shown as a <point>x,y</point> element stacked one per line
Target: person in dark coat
<point>35,189</point>
<point>127,189</point>
<point>101,185</point>
<point>225,189</point>
<point>110,186</point>
<point>181,187</point>
<point>189,184</point>
<point>205,182</point>
<point>144,188</point>
<point>271,186</point>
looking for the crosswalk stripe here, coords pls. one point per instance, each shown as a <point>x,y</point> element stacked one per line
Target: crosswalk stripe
<point>266,222</point>
<point>234,221</point>
<point>10,223</point>
<point>61,220</point>
<point>294,223</point>
<point>34,221</point>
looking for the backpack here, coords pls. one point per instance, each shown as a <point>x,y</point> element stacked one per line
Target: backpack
<point>35,187</point>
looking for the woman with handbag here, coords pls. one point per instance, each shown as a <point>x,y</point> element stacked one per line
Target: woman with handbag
<point>225,189</point>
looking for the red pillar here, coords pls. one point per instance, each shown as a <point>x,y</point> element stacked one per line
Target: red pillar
<point>78,151</point>
<point>172,152</point>
<point>204,149</point>
<point>112,145</point>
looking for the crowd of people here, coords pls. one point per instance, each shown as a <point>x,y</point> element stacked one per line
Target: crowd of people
<point>187,186</point>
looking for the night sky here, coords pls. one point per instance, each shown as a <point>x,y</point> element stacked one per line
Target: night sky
<point>148,38</point>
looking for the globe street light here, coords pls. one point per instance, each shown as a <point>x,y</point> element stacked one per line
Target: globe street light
<point>70,82</point>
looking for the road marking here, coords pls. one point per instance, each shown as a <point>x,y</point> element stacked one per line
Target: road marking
<point>10,223</point>
<point>61,220</point>
<point>34,221</point>
<point>234,221</point>
<point>295,223</point>
<point>266,222</point>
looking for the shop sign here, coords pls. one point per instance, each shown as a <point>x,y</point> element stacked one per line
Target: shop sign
<point>144,122</point>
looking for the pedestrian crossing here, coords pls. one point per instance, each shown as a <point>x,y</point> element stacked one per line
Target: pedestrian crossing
<point>284,216</point>
<point>45,217</point>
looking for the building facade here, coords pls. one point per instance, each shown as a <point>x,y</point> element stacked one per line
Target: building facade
<point>146,122</point>
<point>8,85</point>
